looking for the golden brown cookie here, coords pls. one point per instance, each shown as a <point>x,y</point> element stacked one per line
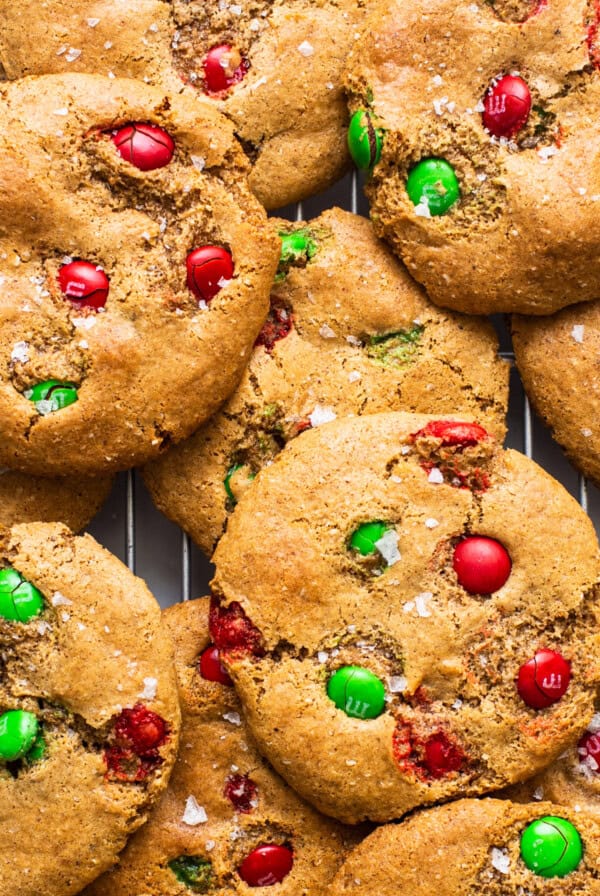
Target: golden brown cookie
<point>478,122</point>
<point>490,847</point>
<point>349,333</point>
<point>136,266</point>
<point>227,822</point>
<point>272,66</point>
<point>72,500</point>
<point>89,717</point>
<point>557,358</point>
<point>417,605</point>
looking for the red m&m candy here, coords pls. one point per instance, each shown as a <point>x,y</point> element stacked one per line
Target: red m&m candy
<point>211,667</point>
<point>544,679</point>
<point>241,791</point>
<point>266,865</point>
<point>146,146</point>
<point>223,67</point>
<point>442,756</point>
<point>84,283</point>
<point>208,270</point>
<point>506,106</point>
<point>141,729</point>
<point>482,565</point>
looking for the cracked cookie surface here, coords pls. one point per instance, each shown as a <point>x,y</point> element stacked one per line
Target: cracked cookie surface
<point>223,801</point>
<point>272,66</point>
<point>504,94</point>
<point>470,847</point>
<point>349,333</point>
<point>352,624</point>
<point>113,194</point>
<point>87,665</point>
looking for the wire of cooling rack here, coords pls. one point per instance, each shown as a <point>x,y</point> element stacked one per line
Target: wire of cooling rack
<point>351,200</point>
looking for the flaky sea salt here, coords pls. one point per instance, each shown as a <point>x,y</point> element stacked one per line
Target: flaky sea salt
<point>233,717</point>
<point>354,376</point>
<point>199,162</point>
<point>422,209</point>
<point>387,546</point>
<point>577,332</point>
<point>150,688</point>
<point>398,684</point>
<point>321,415</point>
<point>546,152</point>
<point>20,352</point>
<point>326,332</point>
<point>435,476</point>
<point>72,54</point>
<point>306,49</point>
<point>431,523</point>
<point>500,860</point>
<point>59,600</point>
<point>194,813</point>
<point>421,601</point>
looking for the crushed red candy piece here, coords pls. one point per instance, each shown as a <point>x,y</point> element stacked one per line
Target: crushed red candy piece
<point>276,327</point>
<point>592,37</point>
<point>124,764</point>
<point>302,425</point>
<point>431,757</point>
<point>223,67</point>
<point>452,433</point>
<point>211,667</point>
<point>242,792</point>
<point>232,631</point>
<point>588,749</point>
<point>140,730</point>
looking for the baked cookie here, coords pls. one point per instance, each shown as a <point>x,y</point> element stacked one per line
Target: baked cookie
<point>381,595</point>
<point>89,718</point>
<point>227,821</point>
<point>349,333</point>
<point>478,123</point>
<point>127,237</point>
<point>73,501</point>
<point>557,358</point>
<point>492,847</point>
<point>274,67</point>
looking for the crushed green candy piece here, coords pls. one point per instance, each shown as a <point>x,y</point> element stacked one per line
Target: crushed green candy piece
<point>230,474</point>
<point>395,349</point>
<point>194,872</point>
<point>297,248</point>
<point>364,538</point>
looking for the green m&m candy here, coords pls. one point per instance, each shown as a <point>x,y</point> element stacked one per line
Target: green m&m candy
<point>432,182</point>
<point>18,733</point>
<point>365,141</point>
<point>551,847</point>
<point>194,872</point>
<point>363,539</point>
<point>357,691</point>
<point>20,601</point>
<point>296,246</point>
<point>52,395</point>
<point>230,474</point>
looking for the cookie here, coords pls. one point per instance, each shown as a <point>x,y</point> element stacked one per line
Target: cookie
<point>89,718</point>
<point>73,501</point>
<point>349,333</point>
<point>477,122</point>
<point>399,630</point>
<point>128,235</point>
<point>227,821</point>
<point>272,66</point>
<point>557,360</point>
<point>486,846</point>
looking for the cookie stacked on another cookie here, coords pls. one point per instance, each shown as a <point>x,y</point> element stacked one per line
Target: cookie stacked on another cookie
<point>128,233</point>
<point>89,717</point>
<point>349,333</point>
<point>437,641</point>
<point>492,847</point>
<point>273,66</point>
<point>72,500</point>
<point>477,122</point>
<point>227,822</point>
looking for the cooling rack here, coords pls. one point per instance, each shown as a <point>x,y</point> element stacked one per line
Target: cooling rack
<point>175,569</point>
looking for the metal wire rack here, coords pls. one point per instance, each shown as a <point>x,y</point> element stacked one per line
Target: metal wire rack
<point>176,570</point>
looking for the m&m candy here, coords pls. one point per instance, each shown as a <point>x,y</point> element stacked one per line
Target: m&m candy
<point>223,67</point>
<point>20,601</point>
<point>544,679</point>
<point>433,183</point>
<point>482,565</point>
<point>551,847</point>
<point>506,106</point>
<point>209,269</point>
<point>18,732</point>
<point>358,692</point>
<point>266,865</point>
<point>51,395</point>
<point>145,146</point>
<point>365,537</point>
<point>365,141</point>
<point>85,284</point>
<point>211,667</point>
